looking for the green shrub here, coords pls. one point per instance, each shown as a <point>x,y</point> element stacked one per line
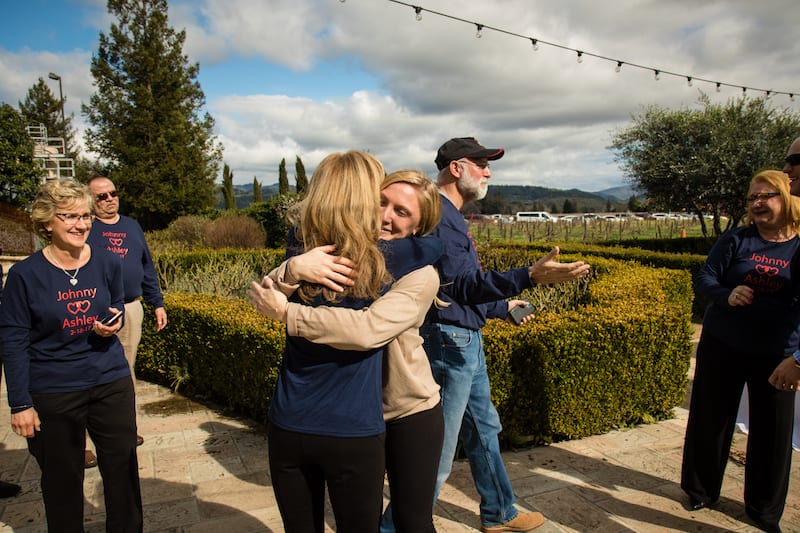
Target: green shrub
<point>621,359</point>
<point>220,272</point>
<point>272,217</point>
<point>226,352</point>
<point>613,354</point>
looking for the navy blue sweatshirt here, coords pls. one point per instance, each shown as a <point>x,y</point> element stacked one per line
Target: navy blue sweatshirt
<point>769,325</point>
<point>475,295</point>
<point>46,327</point>
<point>338,393</point>
<point>126,239</point>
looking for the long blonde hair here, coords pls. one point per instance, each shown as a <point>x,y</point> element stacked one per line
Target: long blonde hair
<point>342,207</point>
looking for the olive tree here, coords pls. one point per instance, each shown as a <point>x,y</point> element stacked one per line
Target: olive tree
<point>701,160</point>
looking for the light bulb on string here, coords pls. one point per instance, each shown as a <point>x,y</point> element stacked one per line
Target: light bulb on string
<point>618,67</point>
<point>768,94</point>
<point>744,90</point>
<point>791,97</point>
<point>689,81</point>
<point>535,44</point>
<point>580,56</point>
<point>656,75</point>
<point>478,33</point>
<point>418,11</point>
<point>718,85</point>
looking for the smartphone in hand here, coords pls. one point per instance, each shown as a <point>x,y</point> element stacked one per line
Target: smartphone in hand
<point>113,319</point>
<point>518,313</point>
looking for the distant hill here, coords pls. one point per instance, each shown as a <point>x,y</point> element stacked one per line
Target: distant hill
<point>622,193</point>
<point>501,199</point>
<point>244,195</point>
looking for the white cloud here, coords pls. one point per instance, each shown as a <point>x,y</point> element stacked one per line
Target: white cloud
<point>436,80</point>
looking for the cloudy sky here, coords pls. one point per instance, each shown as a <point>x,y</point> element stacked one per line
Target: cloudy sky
<point>308,77</point>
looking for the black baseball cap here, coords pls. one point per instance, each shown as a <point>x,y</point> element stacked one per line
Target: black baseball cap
<point>459,147</point>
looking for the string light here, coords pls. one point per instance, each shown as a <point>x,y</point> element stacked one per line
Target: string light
<point>535,42</point>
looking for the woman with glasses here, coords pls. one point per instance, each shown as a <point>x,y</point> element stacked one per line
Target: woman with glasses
<point>66,371</point>
<point>749,328</point>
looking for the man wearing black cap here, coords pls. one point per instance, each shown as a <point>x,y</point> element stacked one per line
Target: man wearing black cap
<point>453,340</point>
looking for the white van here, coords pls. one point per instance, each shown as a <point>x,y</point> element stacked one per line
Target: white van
<point>533,216</point>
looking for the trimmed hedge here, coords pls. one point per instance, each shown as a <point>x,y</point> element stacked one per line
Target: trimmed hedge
<point>619,359</point>
<point>217,349</point>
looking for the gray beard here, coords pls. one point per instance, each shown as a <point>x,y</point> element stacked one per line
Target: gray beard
<point>470,191</point>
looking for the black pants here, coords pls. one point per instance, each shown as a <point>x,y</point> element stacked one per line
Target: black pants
<point>413,448</point>
<point>108,413</point>
<point>720,375</point>
<point>301,465</point>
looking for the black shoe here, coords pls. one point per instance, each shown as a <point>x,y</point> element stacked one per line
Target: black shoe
<point>8,490</point>
<point>139,440</point>
<point>696,505</point>
<point>769,527</point>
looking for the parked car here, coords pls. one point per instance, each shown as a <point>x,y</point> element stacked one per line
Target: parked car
<point>534,216</point>
<point>481,219</point>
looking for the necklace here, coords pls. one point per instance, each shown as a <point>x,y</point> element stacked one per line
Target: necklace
<point>73,278</point>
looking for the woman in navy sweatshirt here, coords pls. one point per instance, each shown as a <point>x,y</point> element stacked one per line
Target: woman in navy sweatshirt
<point>66,371</point>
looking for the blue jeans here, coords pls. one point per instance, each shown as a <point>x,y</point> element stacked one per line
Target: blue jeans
<point>458,363</point>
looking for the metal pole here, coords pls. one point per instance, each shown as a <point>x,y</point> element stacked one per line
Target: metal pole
<point>54,76</point>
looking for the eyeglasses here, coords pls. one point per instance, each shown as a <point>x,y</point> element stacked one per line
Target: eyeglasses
<point>105,195</point>
<point>481,166</point>
<point>793,160</point>
<point>761,197</point>
<point>70,219</point>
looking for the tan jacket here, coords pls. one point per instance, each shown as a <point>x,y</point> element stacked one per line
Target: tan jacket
<point>393,320</point>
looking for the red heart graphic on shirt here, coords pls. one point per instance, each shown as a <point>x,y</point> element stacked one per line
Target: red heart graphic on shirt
<point>767,270</point>
<point>79,307</point>
<point>115,241</point>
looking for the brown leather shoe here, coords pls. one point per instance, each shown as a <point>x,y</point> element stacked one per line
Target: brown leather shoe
<point>139,440</point>
<point>89,459</point>
<point>522,522</point>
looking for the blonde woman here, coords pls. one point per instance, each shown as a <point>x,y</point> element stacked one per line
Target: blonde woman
<point>410,209</point>
<point>750,326</point>
<point>326,419</point>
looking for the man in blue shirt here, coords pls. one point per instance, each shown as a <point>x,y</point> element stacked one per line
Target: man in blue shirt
<point>453,339</point>
<point>124,237</point>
